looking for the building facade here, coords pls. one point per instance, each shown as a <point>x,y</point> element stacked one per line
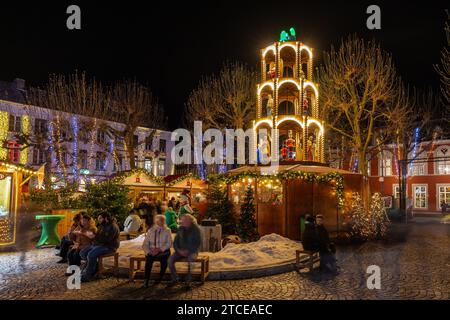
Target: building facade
<point>428,179</point>
<point>78,147</point>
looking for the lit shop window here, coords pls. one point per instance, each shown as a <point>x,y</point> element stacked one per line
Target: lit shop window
<point>420,197</point>
<point>5,194</point>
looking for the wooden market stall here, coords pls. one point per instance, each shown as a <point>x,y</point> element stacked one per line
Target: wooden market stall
<point>284,197</point>
<point>175,184</point>
<point>13,177</point>
<point>142,184</point>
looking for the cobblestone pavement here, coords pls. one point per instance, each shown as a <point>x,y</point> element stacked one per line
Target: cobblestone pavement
<point>415,263</point>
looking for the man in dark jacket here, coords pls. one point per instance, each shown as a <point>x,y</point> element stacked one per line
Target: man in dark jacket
<point>327,259</point>
<point>186,244</point>
<point>106,241</point>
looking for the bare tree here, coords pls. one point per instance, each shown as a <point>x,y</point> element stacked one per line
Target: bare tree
<point>74,95</point>
<point>411,128</point>
<point>226,100</point>
<point>444,68</point>
<point>358,83</point>
<point>134,105</point>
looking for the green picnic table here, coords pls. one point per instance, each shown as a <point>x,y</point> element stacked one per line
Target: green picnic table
<point>49,236</point>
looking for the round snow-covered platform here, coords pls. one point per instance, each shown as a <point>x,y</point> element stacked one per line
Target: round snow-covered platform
<point>271,254</point>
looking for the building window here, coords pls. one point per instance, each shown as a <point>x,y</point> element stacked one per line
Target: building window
<point>101,136</point>
<point>161,167</point>
<point>118,164</point>
<point>135,141</point>
<point>385,164</point>
<point>40,126</point>
<point>442,164</point>
<point>100,161</point>
<point>14,151</point>
<point>39,156</point>
<point>444,194</point>
<point>162,145</point>
<point>15,123</point>
<point>418,169</point>
<point>136,162</point>
<point>149,143</point>
<point>83,159</point>
<point>420,196</point>
<point>148,164</point>
<point>396,191</point>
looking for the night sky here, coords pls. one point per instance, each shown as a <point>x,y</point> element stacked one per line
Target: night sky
<point>169,45</point>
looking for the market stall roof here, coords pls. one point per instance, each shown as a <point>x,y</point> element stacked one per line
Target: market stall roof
<point>184,181</point>
<point>139,178</point>
<point>285,168</point>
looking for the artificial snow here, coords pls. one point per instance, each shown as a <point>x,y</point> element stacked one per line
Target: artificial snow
<point>271,249</point>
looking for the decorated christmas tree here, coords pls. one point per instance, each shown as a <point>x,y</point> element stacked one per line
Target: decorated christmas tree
<point>371,223</point>
<point>220,208</point>
<point>379,218</point>
<point>247,227</point>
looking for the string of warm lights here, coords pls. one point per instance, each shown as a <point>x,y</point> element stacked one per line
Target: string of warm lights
<point>25,131</point>
<point>6,234</point>
<point>15,167</point>
<point>4,125</point>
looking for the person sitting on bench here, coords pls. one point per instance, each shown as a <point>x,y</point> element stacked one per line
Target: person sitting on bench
<point>186,244</point>
<point>157,244</point>
<point>81,239</point>
<point>132,224</point>
<point>309,236</point>
<point>106,241</point>
<point>326,248</point>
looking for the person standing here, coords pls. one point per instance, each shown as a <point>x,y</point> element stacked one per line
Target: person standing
<point>309,236</point>
<point>186,244</point>
<point>172,203</point>
<point>106,241</point>
<point>171,219</point>
<point>156,246</point>
<point>82,238</point>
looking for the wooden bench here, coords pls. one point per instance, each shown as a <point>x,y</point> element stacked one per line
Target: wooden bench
<point>114,268</point>
<point>308,262</point>
<point>136,266</point>
<point>129,236</point>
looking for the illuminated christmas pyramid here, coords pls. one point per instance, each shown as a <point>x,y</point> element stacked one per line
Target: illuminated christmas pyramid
<point>288,100</point>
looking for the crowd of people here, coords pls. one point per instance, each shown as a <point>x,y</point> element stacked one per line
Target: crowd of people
<point>171,235</point>
<point>87,240</point>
